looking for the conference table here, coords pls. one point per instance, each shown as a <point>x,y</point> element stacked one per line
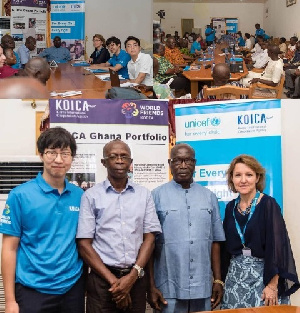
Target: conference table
<point>204,75</point>
<point>66,77</point>
<point>265,309</point>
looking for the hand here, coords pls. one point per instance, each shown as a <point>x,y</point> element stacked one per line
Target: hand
<point>270,295</point>
<point>155,298</point>
<point>297,72</point>
<point>121,288</point>
<point>216,295</point>
<point>12,307</point>
<point>90,60</point>
<point>125,303</point>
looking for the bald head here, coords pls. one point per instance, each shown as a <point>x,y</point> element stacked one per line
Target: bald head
<point>37,68</point>
<point>273,52</point>
<point>23,87</point>
<point>180,146</point>
<point>221,74</point>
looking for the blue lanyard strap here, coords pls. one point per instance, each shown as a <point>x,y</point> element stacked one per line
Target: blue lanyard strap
<point>238,228</point>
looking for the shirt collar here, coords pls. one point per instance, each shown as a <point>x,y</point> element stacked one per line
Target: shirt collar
<point>108,186</point>
<point>137,59</point>
<point>173,182</point>
<point>47,188</point>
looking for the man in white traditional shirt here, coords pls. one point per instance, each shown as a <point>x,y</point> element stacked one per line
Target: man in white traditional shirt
<point>140,67</point>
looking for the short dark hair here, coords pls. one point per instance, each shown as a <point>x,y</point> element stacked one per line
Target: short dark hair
<point>156,47</point>
<point>260,37</point>
<point>132,38</point>
<point>247,35</point>
<point>294,38</point>
<point>114,40</point>
<point>282,39</point>
<point>257,24</point>
<point>56,37</point>
<point>56,137</point>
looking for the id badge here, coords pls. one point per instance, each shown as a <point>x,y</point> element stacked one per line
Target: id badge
<point>246,251</point>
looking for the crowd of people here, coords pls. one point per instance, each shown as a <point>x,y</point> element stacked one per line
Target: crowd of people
<point>169,244</point>
<point>267,59</point>
<point>132,64</point>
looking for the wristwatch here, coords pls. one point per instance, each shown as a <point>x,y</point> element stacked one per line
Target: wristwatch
<point>140,270</point>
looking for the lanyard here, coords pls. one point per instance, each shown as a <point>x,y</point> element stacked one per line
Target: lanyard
<point>238,228</point>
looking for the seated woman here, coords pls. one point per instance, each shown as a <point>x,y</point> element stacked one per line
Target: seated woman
<point>101,54</point>
<point>257,243</point>
<point>6,60</point>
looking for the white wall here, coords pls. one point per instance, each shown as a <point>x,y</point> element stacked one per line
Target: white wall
<point>248,14</point>
<point>282,21</point>
<point>120,18</point>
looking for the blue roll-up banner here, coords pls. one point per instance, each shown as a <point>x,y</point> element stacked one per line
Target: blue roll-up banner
<point>232,25</point>
<point>220,131</point>
<point>68,22</point>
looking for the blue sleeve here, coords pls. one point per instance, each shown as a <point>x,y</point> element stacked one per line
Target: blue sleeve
<point>68,55</point>
<point>10,223</point>
<point>124,59</point>
<point>44,53</point>
<point>23,55</point>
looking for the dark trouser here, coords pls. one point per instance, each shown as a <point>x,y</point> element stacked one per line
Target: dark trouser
<point>99,299</point>
<point>32,301</point>
<point>180,82</point>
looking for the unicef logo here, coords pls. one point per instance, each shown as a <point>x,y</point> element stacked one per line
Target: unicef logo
<point>129,109</point>
<point>215,121</point>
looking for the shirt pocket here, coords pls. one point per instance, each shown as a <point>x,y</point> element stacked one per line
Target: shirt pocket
<point>203,216</point>
<point>170,221</point>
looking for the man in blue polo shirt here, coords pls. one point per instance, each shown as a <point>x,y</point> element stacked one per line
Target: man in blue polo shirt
<point>41,269</point>
<point>210,34</point>
<point>118,62</point>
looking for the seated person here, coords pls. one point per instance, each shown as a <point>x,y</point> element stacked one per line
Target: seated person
<point>291,48</point>
<point>240,39</point>
<point>7,41</point>
<point>161,91</point>
<point>24,50</point>
<point>37,68</point>
<point>257,47</point>
<point>248,43</point>
<point>282,45</point>
<point>203,43</point>
<point>221,76</point>
<point>101,54</point>
<point>167,71</point>
<point>56,53</point>
<point>174,55</point>
<point>28,87</point>
<point>261,59</point>
<point>118,62</point>
<point>5,69</point>
<point>140,67</point>
<point>271,75</point>
<point>295,61</point>
<point>196,46</point>
<point>292,83</point>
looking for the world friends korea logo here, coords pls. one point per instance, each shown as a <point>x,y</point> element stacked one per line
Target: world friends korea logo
<point>129,109</point>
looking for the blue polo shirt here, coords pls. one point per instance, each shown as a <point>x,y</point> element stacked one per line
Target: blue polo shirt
<point>259,32</point>
<point>195,46</point>
<point>122,58</point>
<point>210,34</point>
<point>190,222</point>
<point>46,223</point>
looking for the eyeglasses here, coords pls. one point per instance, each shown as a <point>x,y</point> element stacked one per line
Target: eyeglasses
<point>115,157</point>
<point>96,40</point>
<point>179,161</point>
<point>52,155</point>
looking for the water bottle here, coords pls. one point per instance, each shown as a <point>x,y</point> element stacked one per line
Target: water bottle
<point>204,60</point>
<point>212,67</point>
<point>233,58</point>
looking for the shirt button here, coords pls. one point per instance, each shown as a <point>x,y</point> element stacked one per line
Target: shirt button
<point>191,241</point>
<point>167,213</point>
<point>125,238</point>
<point>192,260</point>
<point>186,191</point>
<point>191,277</point>
<point>190,224</point>
<point>189,207</point>
<point>123,223</point>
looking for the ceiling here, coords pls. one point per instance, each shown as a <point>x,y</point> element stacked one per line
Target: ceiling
<point>211,1</point>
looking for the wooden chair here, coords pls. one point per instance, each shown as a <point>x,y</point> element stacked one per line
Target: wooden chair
<point>257,94</point>
<point>225,92</point>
